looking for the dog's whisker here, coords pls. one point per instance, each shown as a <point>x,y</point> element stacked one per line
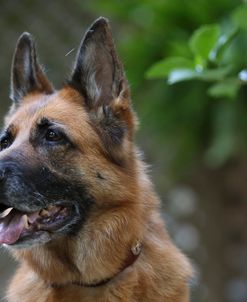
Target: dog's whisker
<point>69,52</point>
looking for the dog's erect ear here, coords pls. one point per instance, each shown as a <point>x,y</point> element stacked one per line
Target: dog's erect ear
<point>98,73</point>
<point>27,74</point>
<point>99,76</point>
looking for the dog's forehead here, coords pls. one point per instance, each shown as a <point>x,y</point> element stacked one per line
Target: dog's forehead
<point>64,106</point>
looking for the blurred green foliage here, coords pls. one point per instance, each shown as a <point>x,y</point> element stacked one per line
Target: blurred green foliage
<point>199,47</point>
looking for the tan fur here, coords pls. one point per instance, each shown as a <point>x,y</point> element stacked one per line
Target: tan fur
<point>127,210</point>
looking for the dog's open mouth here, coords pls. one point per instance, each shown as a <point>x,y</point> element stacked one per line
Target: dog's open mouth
<point>16,225</point>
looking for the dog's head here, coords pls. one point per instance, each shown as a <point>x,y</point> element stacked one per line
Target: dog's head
<point>65,154</point>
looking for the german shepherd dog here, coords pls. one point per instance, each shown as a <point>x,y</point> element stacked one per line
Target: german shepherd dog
<point>77,207</point>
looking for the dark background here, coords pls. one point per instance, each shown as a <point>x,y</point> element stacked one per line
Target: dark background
<point>194,142</point>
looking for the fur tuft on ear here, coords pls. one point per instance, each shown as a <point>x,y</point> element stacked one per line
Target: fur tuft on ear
<point>27,74</point>
<point>115,124</point>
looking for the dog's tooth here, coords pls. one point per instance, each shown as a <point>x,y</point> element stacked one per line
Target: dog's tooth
<point>53,210</point>
<point>63,211</point>
<point>39,226</point>
<point>44,212</point>
<point>6,212</point>
<point>50,209</point>
<point>25,218</point>
<point>33,217</point>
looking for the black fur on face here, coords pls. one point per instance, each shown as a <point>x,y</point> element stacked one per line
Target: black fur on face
<point>28,189</point>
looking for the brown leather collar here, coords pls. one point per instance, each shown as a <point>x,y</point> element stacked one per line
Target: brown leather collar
<point>131,259</point>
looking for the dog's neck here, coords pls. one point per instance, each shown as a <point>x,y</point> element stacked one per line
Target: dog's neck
<point>133,255</point>
<point>85,259</point>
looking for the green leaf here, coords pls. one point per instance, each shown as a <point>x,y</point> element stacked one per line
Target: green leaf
<point>239,16</point>
<point>216,74</point>
<point>179,75</point>
<point>222,44</point>
<point>162,68</point>
<point>208,75</point>
<point>225,89</point>
<point>204,40</point>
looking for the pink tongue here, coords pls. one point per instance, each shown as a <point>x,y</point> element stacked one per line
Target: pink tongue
<point>11,227</point>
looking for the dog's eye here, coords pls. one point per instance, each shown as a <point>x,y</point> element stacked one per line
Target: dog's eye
<point>53,136</point>
<point>5,143</point>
